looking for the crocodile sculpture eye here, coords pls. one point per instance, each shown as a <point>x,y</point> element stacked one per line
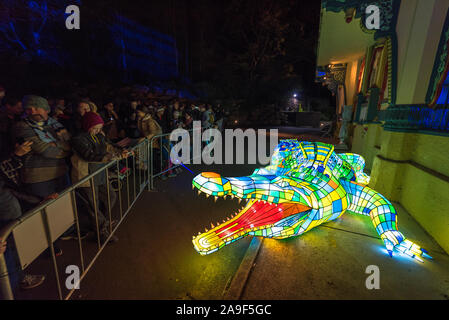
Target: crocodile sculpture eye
<point>280,182</point>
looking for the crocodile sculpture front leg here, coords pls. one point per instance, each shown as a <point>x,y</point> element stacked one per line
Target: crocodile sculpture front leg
<point>369,202</point>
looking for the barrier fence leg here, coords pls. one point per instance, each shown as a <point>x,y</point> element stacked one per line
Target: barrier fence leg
<point>142,154</point>
<point>109,200</point>
<point>150,167</point>
<point>127,182</point>
<point>94,199</point>
<point>75,210</point>
<point>119,184</point>
<point>52,250</point>
<point>134,177</point>
<point>5,285</point>
<point>162,147</point>
<point>146,172</point>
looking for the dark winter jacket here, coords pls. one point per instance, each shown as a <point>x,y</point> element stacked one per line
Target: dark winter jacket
<point>90,154</point>
<point>9,182</point>
<point>46,161</point>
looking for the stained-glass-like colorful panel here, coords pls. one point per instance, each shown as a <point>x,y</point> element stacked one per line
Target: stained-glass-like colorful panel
<point>305,184</point>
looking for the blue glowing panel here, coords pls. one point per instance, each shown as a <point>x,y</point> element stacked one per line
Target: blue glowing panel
<point>443,95</point>
<point>26,28</point>
<point>143,49</point>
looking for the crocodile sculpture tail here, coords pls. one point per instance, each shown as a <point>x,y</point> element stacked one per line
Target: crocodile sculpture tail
<point>368,202</point>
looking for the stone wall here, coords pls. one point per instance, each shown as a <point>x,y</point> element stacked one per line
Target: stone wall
<point>412,169</point>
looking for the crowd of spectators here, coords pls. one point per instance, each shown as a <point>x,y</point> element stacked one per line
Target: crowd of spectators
<point>48,144</point>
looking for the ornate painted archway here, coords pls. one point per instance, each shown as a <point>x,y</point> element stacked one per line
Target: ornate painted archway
<point>440,68</point>
<point>389,10</point>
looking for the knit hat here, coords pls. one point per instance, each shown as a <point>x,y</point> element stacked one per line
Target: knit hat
<point>91,119</point>
<point>35,101</point>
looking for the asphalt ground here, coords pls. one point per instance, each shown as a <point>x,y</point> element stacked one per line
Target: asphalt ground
<point>331,261</point>
<point>155,258</point>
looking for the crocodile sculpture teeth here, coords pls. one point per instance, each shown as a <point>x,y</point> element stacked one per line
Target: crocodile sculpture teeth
<point>305,184</point>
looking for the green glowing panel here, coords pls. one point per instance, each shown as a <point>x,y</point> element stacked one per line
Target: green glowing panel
<point>305,185</point>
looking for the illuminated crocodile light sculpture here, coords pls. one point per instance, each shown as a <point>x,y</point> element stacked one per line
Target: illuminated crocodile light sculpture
<point>305,184</point>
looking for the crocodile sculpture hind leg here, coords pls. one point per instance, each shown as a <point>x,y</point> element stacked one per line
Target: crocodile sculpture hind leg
<point>368,202</point>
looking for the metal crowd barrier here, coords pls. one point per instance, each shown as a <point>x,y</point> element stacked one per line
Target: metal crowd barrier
<point>44,222</point>
<point>48,215</point>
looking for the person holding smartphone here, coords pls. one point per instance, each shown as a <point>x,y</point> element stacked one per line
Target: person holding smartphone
<point>14,202</point>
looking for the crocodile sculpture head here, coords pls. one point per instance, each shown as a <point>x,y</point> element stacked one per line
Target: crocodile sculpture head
<point>305,184</point>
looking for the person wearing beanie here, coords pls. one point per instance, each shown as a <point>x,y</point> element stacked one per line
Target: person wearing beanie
<point>44,170</point>
<point>92,149</point>
<point>92,122</point>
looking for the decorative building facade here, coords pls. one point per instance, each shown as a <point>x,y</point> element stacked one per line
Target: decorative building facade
<point>396,81</point>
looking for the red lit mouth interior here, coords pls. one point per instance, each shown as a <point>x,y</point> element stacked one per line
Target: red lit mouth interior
<point>257,214</point>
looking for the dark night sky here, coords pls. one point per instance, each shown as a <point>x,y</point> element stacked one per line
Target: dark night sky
<point>213,39</point>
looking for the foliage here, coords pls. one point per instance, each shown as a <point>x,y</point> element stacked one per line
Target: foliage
<point>265,49</point>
